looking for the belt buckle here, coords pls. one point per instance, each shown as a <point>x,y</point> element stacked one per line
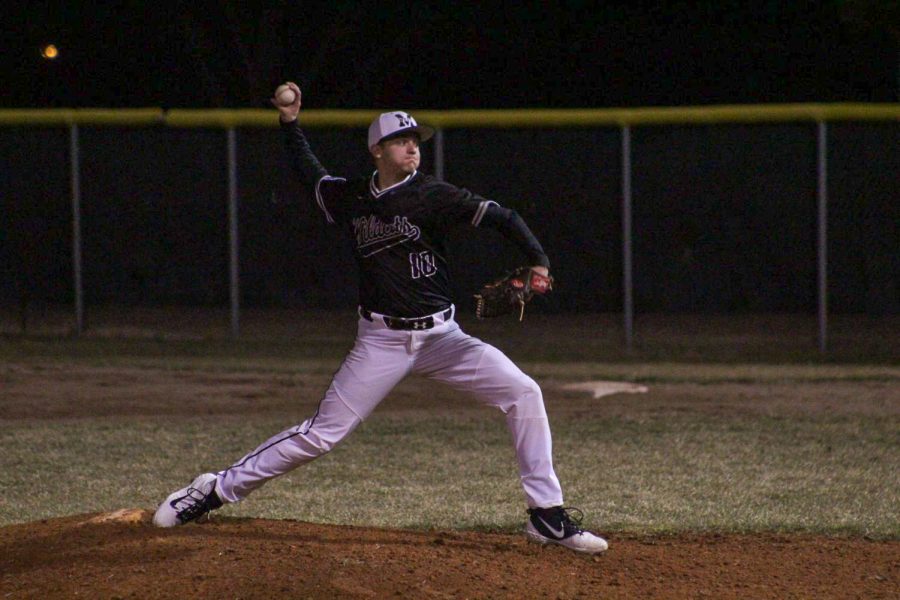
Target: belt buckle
<point>423,323</point>
<point>419,324</point>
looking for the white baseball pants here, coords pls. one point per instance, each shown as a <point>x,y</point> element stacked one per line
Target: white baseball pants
<point>380,359</point>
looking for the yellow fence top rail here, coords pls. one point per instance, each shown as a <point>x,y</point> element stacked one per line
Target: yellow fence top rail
<point>258,117</point>
<point>488,118</point>
<point>31,117</point>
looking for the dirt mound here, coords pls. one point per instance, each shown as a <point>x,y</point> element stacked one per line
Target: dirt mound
<point>121,555</point>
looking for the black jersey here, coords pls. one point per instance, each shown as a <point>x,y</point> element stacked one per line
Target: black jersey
<point>398,233</point>
<point>398,236</point>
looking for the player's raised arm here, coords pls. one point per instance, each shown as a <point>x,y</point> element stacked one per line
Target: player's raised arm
<point>287,100</point>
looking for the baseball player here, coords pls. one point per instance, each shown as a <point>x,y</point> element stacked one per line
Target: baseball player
<point>397,219</point>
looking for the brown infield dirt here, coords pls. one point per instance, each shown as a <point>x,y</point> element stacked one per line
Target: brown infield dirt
<point>124,556</point>
<point>121,555</point>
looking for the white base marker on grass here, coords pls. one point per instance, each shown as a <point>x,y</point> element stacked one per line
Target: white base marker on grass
<point>607,388</point>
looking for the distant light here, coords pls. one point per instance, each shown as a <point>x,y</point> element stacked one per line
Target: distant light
<point>49,51</point>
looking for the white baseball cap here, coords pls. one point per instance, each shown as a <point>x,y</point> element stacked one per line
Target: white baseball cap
<point>391,123</point>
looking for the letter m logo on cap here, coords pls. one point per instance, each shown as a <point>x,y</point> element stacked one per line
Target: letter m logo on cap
<point>405,120</point>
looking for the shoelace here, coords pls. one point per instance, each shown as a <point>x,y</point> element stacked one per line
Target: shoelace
<point>570,525</point>
<point>568,522</point>
<point>197,506</point>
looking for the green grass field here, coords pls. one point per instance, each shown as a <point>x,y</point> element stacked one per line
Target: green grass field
<point>736,433</point>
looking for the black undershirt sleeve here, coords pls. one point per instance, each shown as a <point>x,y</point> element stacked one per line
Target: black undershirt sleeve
<point>512,227</point>
<point>301,155</point>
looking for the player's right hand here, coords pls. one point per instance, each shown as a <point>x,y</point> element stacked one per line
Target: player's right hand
<point>288,112</point>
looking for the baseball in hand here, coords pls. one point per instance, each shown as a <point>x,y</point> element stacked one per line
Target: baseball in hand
<point>284,95</point>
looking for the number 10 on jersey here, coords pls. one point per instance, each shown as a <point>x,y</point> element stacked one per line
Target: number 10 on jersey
<point>422,264</point>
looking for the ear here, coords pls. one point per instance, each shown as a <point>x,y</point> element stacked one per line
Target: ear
<point>376,151</point>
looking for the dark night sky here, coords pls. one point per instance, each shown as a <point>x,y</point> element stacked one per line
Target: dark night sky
<point>540,54</point>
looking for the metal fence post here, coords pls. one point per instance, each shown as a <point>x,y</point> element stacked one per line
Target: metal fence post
<point>233,258</point>
<point>76,227</point>
<point>822,241</point>
<point>628,299</point>
<point>439,153</point>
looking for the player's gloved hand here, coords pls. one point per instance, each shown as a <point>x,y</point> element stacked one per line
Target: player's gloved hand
<point>512,291</point>
<point>288,112</point>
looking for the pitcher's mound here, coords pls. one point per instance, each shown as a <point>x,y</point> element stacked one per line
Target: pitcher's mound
<point>106,556</point>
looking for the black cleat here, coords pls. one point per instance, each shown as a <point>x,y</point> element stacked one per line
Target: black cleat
<point>555,526</point>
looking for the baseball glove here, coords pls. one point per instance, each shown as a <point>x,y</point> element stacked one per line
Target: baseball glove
<point>511,292</point>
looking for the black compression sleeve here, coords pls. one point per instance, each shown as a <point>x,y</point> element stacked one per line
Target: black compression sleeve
<point>510,225</point>
<point>301,155</point>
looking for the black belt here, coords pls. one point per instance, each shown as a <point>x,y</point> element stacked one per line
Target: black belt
<point>404,324</point>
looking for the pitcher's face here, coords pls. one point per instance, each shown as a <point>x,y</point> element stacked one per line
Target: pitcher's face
<point>399,154</point>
